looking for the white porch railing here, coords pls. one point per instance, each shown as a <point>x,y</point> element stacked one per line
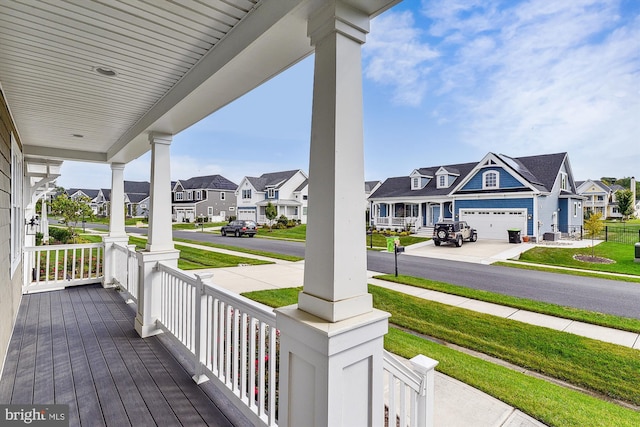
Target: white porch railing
<point>126,278</point>
<point>409,393</point>
<point>233,340</point>
<point>396,221</point>
<point>59,266</point>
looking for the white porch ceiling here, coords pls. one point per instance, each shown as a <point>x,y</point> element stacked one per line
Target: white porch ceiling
<point>174,63</point>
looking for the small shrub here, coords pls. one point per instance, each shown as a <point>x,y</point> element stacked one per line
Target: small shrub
<point>283,220</point>
<point>231,218</point>
<point>60,235</point>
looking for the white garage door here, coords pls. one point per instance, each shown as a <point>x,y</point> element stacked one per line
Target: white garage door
<point>494,223</point>
<point>247,214</point>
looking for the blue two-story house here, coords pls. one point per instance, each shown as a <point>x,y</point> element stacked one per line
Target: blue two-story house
<point>536,194</point>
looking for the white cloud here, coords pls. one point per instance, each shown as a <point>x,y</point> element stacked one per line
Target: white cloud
<point>543,77</point>
<point>396,57</point>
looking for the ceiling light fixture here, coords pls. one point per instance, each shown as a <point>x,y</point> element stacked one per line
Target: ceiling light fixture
<point>105,71</point>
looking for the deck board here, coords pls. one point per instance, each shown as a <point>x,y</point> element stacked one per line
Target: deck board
<point>78,347</point>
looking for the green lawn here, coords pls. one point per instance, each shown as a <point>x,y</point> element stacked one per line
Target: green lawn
<point>608,369</point>
<point>193,259</point>
<point>551,404</point>
<point>607,320</point>
<point>622,254</point>
<point>300,233</point>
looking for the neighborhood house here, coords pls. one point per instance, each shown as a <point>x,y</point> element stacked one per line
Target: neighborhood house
<point>211,198</point>
<point>286,190</point>
<point>536,195</point>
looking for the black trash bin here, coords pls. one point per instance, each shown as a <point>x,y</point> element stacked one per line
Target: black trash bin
<point>514,235</point>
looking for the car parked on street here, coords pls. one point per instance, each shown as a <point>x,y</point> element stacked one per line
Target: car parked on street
<point>453,232</point>
<point>239,228</point>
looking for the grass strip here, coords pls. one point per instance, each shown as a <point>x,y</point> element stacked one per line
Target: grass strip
<point>605,368</point>
<point>611,370</point>
<point>273,255</point>
<point>607,320</point>
<point>193,258</point>
<point>549,403</point>
<point>622,254</point>
<point>582,273</point>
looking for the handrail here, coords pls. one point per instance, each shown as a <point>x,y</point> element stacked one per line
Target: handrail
<point>53,267</point>
<point>231,339</point>
<point>410,391</point>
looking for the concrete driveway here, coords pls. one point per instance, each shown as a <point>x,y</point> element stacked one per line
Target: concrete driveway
<point>482,251</point>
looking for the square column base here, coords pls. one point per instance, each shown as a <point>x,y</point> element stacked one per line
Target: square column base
<point>149,278</point>
<point>331,373</point>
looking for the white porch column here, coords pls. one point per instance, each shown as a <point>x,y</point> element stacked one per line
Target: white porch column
<point>160,243</point>
<point>419,221</point>
<point>160,231</point>
<point>117,234</point>
<point>331,342</point>
<point>441,215</point>
<point>44,220</point>
<point>116,214</point>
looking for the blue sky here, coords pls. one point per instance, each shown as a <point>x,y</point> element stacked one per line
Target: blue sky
<point>445,82</point>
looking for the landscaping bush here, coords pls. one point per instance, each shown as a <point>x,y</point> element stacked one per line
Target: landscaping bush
<point>283,220</point>
<point>59,235</point>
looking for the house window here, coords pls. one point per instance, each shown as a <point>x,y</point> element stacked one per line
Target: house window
<point>304,210</point>
<point>563,181</point>
<point>490,180</point>
<point>17,216</point>
<point>179,195</point>
<point>246,194</point>
<point>600,198</point>
<point>575,209</point>
<point>210,210</point>
<point>271,193</point>
<point>223,195</point>
<point>415,183</point>
<point>198,194</point>
<point>305,197</point>
<point>189,195</point>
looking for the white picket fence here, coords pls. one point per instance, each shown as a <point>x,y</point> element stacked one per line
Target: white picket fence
<point>52,267</point>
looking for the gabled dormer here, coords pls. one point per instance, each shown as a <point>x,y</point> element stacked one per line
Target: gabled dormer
<point>420,178</point>
<point>445,177</point>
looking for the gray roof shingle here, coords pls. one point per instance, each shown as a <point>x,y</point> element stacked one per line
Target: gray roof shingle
<point>273,180</point>
<point>209,182</point>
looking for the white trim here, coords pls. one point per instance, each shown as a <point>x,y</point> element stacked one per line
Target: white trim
<point>486,174</point>
<point>17,209</point>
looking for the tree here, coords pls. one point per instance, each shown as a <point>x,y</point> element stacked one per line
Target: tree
<point>593,227</point>
<point>608,180</point>
<point>271,213</point>
<point>72,210</point>
<point>625,202</point>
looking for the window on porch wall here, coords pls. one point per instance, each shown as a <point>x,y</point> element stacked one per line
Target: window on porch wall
<point>17,215</point>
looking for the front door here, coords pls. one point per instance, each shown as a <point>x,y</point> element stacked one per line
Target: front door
<point>435,214</point>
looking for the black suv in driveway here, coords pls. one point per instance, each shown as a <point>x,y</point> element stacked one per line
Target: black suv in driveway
<point>454,232</point>
<point>239,228</point>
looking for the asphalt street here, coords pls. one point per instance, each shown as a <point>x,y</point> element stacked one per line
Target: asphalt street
<point>601,295</point>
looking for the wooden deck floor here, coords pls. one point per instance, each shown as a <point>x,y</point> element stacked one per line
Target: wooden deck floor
<point>78,347</point>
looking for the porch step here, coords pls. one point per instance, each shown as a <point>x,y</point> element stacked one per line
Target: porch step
<point>424,232</point>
